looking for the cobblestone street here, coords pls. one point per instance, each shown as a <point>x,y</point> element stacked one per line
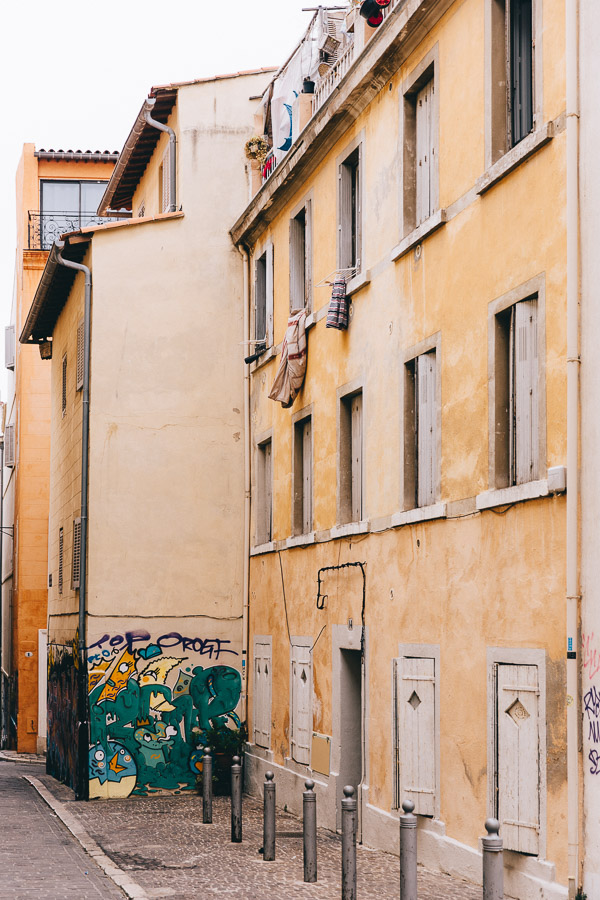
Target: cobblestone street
<point>166,851</point>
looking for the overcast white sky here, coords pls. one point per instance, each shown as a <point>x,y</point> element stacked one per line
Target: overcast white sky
<point>75,75</point>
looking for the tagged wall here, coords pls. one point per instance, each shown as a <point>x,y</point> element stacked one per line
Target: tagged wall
<point>152,699</point>
<point>62,717</point>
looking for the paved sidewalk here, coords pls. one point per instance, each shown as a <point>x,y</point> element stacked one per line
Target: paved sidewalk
<point>38,856</point>
<point>161,843</point>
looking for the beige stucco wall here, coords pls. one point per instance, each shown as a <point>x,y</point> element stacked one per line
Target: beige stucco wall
<point>482,580</point>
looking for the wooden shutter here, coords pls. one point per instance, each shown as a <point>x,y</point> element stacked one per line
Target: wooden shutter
<point>76,564</point>
<point>301,704</point>
<point>80,351</point>
<point>357,222</point>
<point>425,152</point>
<point>357,459</point>
<point>9,346</point>
<point>265,496</point>
<point>262,694</point>
<point>520,68</point>
<point>307,466</point>
<point>308,252</point>
<point>166,180</point>
<point>526,393</point>
<point>297,261</point>
<point>426,429</point>
<point>61,546</point>
<point>269,294</point>
<point>345,224</point>
<point>416,738</point>
<point>9,446</point>
<point>518,757</point>
<point>64,386</point>
<point>260,301</point>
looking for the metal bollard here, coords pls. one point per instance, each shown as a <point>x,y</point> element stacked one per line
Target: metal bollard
<point>269,818</point>
<point>236,801</point>
<point>493,867</point>
<point>349,844</point>
<point>207,787</point>
<point>309,831</point>
<point>408,852</point>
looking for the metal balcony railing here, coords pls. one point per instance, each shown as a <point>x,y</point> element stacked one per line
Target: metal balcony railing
<point>45,228</point>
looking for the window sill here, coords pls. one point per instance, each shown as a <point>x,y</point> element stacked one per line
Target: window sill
<point>262,548</point>
<point>418,234</point>
<point>513,158</point>
<point>419,514</point>
<point>358,282</point>
<point>267,355</point>
<point>300,540</point>
<point>531,490</point>
<point>349,528</point>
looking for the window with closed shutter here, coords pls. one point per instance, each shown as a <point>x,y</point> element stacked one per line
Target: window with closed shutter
<point>520,68</point>
<point>80,354</point>
<point>518,785</point>
<point>415,733</point>
<point>61,547</point>
<point>301,259</point>
<point>76,564</point>
<point>350,212</point>
<point>9,446</point>
<point>260,302</point>
<point>302,513</point>
<point>524,396</point>
<point>262,693</point>
<point>9,346</point>
<point>426,431</point>
<point>264,506</point>
<point>301,711</point>
<point>351,474</point>
<point>64,386</point>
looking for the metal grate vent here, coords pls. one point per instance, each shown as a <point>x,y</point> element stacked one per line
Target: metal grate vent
<point>9,446</point>
<point>61,544</point>
<point>9,346</point>
<point>80,346</point>
<point>76,566</point>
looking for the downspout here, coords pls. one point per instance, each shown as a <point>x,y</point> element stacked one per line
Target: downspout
<point>82,783</point>
<point>573,363</point>
<point>247,442</point>
<point>172,153</point>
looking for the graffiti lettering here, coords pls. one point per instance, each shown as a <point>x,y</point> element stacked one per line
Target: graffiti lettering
<point>591,654</point>
<point>591,703</point>
<point>108,647</point>
<point>594,758</point>
<point>594,732</point>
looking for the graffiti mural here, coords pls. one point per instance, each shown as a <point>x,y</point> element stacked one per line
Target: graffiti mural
<point>151,704</point>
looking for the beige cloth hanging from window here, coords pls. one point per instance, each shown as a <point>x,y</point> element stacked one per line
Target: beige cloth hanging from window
<point>292,366</point>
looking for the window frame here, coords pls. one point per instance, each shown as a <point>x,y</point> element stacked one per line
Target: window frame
<point>263,529</point>
<point>345,494</point>
<point>426,71</point>
<point>299,422</point>
<point>499,476</point>
<point>267,252</point>
<point>409,445</point>
<point>497,86</point>
<point>306,276</point>
<point>357,146</point>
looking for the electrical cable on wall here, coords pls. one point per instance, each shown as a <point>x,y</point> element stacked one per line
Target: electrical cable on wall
<point>321,598</point>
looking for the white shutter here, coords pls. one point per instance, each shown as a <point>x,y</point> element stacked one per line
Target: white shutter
<point>307,477</point>
<point>9,445</point>
<point>80,354</point>
<point>526,391</point>
<point>358,174</point>
<point>265,496</point>
<point>518,757</point>
<point>426,429</point>
<point>260,300</point>
<point>269,294</point>
<point>262,694</point>
<point>9,346</point>
<point>301,704</point>
<point>425,152</point>
<point>297,263</point>
<point>345,224</point>
<point>308,255</point>
<point>415,719</point>
<point>357,460</point>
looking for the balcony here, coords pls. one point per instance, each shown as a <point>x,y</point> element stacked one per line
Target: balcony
<point>45,228</point>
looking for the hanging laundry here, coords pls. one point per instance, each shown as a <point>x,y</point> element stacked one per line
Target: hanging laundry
<point>292,366</point>
<point>337,314</point>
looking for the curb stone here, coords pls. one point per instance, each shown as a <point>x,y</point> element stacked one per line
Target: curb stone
<point>129,887</point>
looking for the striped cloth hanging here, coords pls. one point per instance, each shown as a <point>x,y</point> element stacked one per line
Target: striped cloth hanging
<point>337,315</point>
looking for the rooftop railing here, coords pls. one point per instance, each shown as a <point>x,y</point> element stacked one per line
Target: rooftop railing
<point>326,85</point>
<point>47,227</point>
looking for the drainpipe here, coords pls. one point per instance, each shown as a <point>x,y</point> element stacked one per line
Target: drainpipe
<point>83,735</point>
<point>247,440</point>
<point>573,598</point>
<point>172,152</point>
